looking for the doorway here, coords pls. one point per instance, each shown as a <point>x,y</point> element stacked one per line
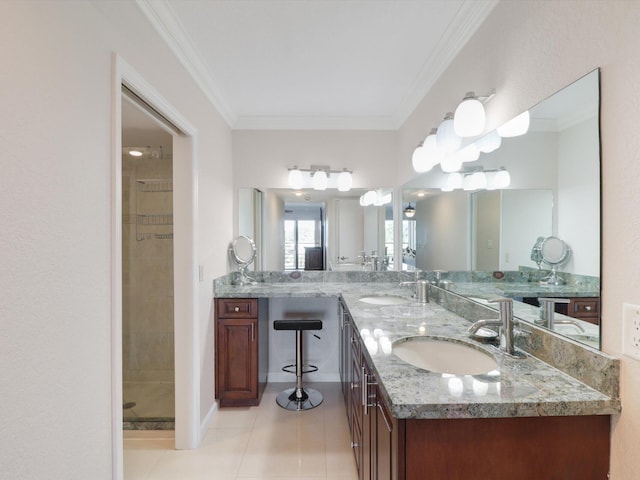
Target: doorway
<point>188,428</point>
<point>148,388</point>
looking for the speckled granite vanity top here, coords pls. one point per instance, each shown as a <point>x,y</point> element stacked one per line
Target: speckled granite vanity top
<point>519,387</point>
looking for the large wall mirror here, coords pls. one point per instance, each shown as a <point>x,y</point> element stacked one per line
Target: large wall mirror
<point>554,192</point>
<point>318,230</point>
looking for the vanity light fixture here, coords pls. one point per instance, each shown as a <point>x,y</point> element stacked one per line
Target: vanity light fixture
<point>295,178</point>
<point>470,117</point>
<point>452,182</point>
<point>446,138</point>
<point>451,163</point>
<point>489,142</point>
<point>502,179</point>
<point>320,178</point>
<point>345,180</point>
<point>515,127</point>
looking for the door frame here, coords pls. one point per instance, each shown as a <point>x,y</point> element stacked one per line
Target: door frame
<point>185,207</point>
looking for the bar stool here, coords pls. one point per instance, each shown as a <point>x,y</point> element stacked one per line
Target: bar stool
<point>299,398</point>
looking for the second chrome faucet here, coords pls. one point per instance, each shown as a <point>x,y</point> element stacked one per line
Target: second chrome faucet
<point>505,324</point>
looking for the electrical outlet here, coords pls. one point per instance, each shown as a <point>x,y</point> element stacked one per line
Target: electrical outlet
<point>631,325</point>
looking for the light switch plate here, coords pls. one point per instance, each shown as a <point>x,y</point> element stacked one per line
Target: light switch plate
<point>631,326</point>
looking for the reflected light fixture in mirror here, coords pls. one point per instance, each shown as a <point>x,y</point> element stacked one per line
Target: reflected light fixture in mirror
<point>446,138</point>
<point>295,178</point>
<point>516,126</point>
<point>470,117</point>
<point>320,180</point>
<point>345,181</point>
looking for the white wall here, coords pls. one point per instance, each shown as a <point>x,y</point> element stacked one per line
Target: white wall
<point>442,232</point>
<point>579,196</point>
<point>56,95</point>
<point>528,50</point>
<point>274,232</point>
<point>262,157</point>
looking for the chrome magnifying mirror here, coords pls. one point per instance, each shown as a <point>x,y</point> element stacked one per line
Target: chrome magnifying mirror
<point>243,252</point>
<point>554,252</point>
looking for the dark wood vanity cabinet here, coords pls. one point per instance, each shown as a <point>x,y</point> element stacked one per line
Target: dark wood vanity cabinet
<point>523,448</point>
<point>373,430</point>
<point>241,350</point>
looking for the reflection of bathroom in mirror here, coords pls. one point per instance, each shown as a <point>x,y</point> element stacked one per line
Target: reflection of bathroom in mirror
<point>554,191</point>
<point>318,230</point>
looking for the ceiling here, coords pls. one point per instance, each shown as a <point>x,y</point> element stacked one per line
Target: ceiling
<point>316,64</point>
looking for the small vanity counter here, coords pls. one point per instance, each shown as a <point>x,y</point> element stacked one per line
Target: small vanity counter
<point>526,387</point>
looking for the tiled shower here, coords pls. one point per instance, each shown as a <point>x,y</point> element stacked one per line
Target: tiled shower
<point>147,297</point>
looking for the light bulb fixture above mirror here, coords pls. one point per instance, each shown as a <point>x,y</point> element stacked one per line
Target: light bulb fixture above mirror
<point>477,178</point>
<point>320,178</point>
<point>456,136</point>
<point>376,198</point>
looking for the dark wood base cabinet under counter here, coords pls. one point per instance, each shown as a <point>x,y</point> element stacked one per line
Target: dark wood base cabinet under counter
<point>522,448</point>
<point>242,350</point>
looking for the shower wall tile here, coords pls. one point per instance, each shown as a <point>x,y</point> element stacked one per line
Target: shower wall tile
<point>147,274</point>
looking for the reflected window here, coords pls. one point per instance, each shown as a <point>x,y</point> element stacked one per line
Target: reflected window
<point>298,235</point>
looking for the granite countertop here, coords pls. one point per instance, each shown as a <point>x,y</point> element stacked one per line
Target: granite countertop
<point>522,289</point>
<point>520,387</point>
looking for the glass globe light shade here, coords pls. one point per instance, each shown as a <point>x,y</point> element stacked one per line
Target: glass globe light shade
<point>370,197</point>
<point>446,137</point>
<point>451,163</point>
<point>320,180</point>
<point>345,181</point>
<point>502,179</point>
<point>295,178</point>
<point>490,142</point>
<point>420,159</point>
<point>516,126</point>
<point>479,181</point>
<point>470,117</point>
<point>470,153</point>
<point>430,146</point>
<point>454,181</point>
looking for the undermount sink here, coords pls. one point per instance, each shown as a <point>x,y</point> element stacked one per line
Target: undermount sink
<point>444,355</point>
<point>408,311</point>
<point>384,300</point>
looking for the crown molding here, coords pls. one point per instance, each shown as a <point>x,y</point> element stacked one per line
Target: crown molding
<point>466,22</point>
<point>166,23</point>
<point>314,123</point>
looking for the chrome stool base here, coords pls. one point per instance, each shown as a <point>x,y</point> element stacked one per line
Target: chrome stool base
<point>304,399</point>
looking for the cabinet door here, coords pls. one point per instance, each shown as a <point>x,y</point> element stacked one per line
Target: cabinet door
<point>384,442</point>
<point>237,360</point>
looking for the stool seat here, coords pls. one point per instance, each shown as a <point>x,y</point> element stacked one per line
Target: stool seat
<point>298,324</point>
<point>299,398</point>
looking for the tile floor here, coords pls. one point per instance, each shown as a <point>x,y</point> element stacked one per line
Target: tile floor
<point>264,442</point>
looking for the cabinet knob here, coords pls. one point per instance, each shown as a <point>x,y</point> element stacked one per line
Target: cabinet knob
<point>587,308</point>
<point>236,309</point>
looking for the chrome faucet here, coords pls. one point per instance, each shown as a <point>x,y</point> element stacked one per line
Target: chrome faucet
<point>505,324</point>
<point>422,289</point>
<point>547,313</point>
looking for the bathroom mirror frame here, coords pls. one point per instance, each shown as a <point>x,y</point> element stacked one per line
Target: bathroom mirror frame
<point>593,271</point>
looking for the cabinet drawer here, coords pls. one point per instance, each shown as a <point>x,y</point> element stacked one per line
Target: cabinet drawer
<point>584,308</point>
<point>237,308</point>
